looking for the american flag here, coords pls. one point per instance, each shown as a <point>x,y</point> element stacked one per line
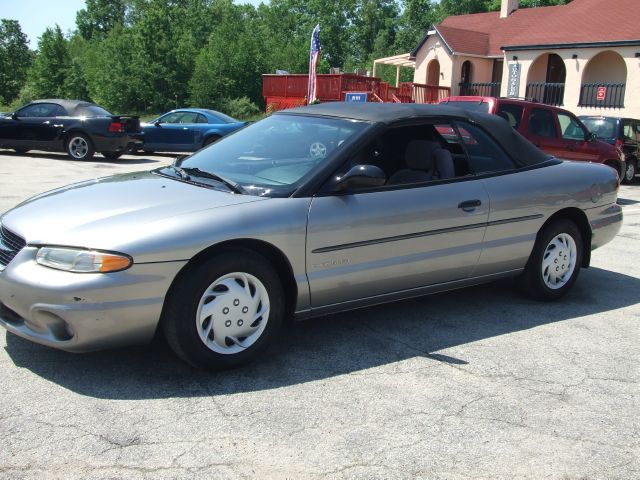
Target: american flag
<point>313,64</point>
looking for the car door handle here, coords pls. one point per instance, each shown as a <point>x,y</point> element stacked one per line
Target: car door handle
<point>469,205</point>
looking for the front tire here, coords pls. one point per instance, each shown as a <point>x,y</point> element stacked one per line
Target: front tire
<point>555,261</point>
<point>80,147</point>
<point>225,311</point>
<point>630,172</point>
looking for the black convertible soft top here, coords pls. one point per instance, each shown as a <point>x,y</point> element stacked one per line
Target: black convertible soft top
<point>69,105</point>
<point>515,144</point>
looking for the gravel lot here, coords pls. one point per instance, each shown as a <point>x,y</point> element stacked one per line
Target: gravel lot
<point>479,383</point>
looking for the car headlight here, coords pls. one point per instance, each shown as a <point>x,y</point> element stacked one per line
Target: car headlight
<point>82,261</point>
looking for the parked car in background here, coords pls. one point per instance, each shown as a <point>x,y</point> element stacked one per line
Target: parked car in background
<point>187,130</point>
<point>554,130</point>
<point>308,212</point>
<point>624,133</point>
<point>80,128</point>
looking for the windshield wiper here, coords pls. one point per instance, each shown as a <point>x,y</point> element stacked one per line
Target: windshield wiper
<point>233,186</point>
<point>179,171</point>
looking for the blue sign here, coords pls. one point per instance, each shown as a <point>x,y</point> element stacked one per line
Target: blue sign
<point>355,96</point>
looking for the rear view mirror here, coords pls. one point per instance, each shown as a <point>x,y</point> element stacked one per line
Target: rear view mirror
<point>14,115</point>
<point>591,137</point>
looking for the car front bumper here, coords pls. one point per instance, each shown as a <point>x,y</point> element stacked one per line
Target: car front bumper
<point>83,312</point>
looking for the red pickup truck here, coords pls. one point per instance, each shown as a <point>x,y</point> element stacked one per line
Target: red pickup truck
<point>554,130</point>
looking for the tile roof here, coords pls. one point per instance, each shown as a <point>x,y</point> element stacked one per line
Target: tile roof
<point>581,21</point>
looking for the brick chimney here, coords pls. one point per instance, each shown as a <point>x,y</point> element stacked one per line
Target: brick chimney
<point>508,7</point>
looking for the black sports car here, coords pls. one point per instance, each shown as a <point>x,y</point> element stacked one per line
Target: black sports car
<point>80,128</point>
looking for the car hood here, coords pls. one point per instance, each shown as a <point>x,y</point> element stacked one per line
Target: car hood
<point>97,213</point>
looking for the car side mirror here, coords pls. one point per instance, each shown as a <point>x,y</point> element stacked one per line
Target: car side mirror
<point>157,123</point>
<point>14,115</point>
<point>591,137</point>
<point>361,176</point>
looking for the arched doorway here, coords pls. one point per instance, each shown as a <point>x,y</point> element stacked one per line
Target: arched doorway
<point>546,79</point>
<point>466,74</point>
<point>433,73</point>
<point>604,81</point>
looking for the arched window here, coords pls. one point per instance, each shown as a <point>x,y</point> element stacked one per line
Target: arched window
<point>546,79</point>
<point>465,78</point>
<point>433,73</point>
<point>604,81</point>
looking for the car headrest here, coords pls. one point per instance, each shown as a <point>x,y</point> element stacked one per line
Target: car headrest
<point>419,154</point>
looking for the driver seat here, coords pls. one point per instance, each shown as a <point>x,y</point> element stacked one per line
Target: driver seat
<point>420,162</point>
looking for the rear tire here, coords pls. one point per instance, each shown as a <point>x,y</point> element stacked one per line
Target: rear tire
<point>630,172</point>
<point>555,261</point>
<point>225,311</point>
<point>80,147</point>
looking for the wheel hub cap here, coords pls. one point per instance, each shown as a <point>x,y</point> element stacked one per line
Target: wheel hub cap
<point>559,261</point>
<point>78,147</point>
<point>233,312</point>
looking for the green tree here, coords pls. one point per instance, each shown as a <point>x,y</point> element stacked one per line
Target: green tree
<point>51,66</point>
<point>109,68</point>
<point>230,69</point>
<point>99,17</point>
<point>15,60</point>
<point>417,16</point>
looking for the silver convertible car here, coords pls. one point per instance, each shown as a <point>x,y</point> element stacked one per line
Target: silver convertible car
<point>310,211</point>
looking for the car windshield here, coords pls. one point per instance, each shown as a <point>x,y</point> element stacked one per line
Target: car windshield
<point>604,128</point>
<point>273,156</point>
<point>471,106</point>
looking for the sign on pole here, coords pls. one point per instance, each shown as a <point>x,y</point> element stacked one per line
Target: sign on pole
<point>514,80</point>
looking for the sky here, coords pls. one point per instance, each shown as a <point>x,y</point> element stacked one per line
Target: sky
<point>36,15</point>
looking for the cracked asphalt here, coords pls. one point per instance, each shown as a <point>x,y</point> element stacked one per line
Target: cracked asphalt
<point>481,383</point>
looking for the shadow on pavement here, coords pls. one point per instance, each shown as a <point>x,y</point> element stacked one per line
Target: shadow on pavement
<point>329,346</point>
<point>126,159</point>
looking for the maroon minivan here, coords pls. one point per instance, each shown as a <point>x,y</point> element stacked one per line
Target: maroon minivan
<point>554,130</point>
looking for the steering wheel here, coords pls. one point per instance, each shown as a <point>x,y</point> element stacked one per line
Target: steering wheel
<point>317,150</point>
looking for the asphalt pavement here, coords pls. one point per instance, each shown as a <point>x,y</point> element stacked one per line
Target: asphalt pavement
<point>480,383</point>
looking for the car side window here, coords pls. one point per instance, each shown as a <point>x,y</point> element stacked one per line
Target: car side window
<point>171,118</point>
<point>511,113</point>
<point>485,155</point>
<point>570,127</point>
<point>411,155</point>
<point>39,110</point>
<point>542,123</point>
<point>201,118</point>
<point>188,117</point>
<point>627,130</point>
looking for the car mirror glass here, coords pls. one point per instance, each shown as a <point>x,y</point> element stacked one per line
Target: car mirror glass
<point>361,176</point>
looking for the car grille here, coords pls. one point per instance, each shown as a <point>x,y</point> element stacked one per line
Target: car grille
<point>10,245</point>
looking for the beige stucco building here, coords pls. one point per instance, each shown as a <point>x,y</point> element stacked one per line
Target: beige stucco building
<point>584,56</point>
